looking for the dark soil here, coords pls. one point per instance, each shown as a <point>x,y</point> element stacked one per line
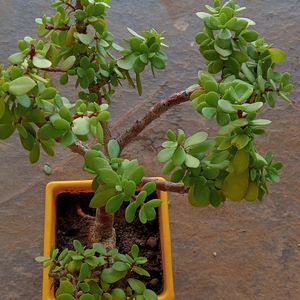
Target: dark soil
<point>71,226</point>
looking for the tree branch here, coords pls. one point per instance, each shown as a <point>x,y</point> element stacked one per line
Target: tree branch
<point>166,185</point>
<point>51,27</point>
<point>154,113</point>
<point>79,148</point>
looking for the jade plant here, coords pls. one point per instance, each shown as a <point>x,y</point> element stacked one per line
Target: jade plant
<point>74,43</point>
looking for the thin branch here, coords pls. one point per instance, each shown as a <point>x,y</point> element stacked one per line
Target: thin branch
<point>64,28</point>
<point>166,185</point>
<point>71,6</point>
<point>58,275</point>
<point>55,70</point>
<point>154,113</point>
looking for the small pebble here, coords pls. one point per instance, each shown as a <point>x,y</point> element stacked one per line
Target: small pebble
<point>154,282</point>
<point>214,254</point>
<point>152,242</point>
<point>298,245</point>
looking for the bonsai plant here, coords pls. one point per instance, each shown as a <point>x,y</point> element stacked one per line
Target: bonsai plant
<point>75,42</point>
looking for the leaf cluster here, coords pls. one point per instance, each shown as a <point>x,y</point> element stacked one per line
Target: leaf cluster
<point>97,273</point>
<point>116,183</point>
<point>74,42</point>
<point>229,165</point>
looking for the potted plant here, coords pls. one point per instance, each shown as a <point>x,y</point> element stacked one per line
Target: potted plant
<point>75,43</point>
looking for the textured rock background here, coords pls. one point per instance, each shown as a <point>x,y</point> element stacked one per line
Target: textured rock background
<point>256,245</point>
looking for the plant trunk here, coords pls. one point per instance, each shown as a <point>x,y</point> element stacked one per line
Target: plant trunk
<point>102,231</point>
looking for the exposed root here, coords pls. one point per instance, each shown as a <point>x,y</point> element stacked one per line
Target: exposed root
<point>82,214</point>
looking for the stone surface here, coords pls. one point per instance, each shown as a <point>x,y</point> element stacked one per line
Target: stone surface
<point>258,256</point>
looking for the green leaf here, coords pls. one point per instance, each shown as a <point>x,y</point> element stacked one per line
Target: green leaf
<point>85,38</point>
<point>113,149</point>
<point>21,86</point>
<point>277,55</point>
<point>102,196</point>
<point>111,276</point>
<point>143,215</point>
<point>129,188</point>
<point>135,251</point>
<point>68,63</point>
<point>250,35</point>
<point>84,272</point>
<point>149,187</point>
<point>191,161</point>
<point>261,122</point>
<point>212,98</point>
<point>130,212</point>
<point>137,285</point>
<point>41,63</point>
<point>284,97</point>
<point>120,266</point>
<point>17,58</point>
<point>34,154</point>
<point>118,294</point>
<point>140,271</point>
<point>87,297</point>
<point>253,107</point>
<point>221,51</point>
<point>139,84</point>
<point>202,15</point>
<point>65,287</point>
<point>140,198</point>
<point>138,66</point>
<point>240,141</point>
<point>179,156</point>
<point>42,259</point>
<point>158,62</point>
<point>226,106</point>
<point>61,124</point>
<point>248,73</point>
<point>137,175</point>
<point>243,91</point>
<point>2,108</point>
<point>67,139</point>
<point>150,295</point>
<point>114,203</point>
<point>65,297</point>
<point>47,132</point>
<point>239,122</point>
<point>78,246</point>
<point>195,139</point>
<point>81,126</point>
<point>47,169</point>
<point>209,112</point>
<point>48,93</point>
<point>109,177</point>
<point>171,135</point>
<point>178,175</point>
<point>165,154</point>
<point>225,34</point>
<point>153,203</point>
<point>199,195</point>
<point>135,33</point>
<point>24,101</point>
<point>127,62</point>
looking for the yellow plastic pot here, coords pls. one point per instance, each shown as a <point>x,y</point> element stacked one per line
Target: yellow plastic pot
<point>56,187</point>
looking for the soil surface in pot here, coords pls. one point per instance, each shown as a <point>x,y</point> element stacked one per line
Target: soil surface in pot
<point>71,225</point>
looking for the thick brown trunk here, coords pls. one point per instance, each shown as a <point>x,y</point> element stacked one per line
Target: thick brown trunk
<point>102,230</point>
